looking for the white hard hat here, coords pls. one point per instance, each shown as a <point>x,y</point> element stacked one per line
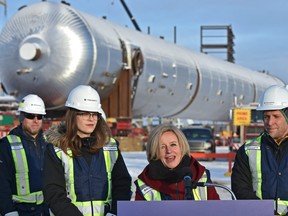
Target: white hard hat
<point>274,98</point>
<point>32,104</point>
<point>84,98</point>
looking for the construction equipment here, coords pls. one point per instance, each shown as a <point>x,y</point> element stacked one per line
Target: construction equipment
<point>4,3</point>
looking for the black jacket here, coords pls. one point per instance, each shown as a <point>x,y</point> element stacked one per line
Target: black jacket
<point>34,149</point>
<point>241,180</point>
<point>54,181</point>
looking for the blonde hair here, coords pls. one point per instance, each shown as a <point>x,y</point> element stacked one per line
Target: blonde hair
<point>153,143</point>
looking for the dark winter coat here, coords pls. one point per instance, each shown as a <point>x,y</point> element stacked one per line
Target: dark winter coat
<point>54,179</point>
<point>34,149</point>
<point>170,182</point>
<point>274,162</point>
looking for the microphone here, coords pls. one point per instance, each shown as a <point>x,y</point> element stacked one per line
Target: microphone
<point>188,188</point>
<point>205,184</point>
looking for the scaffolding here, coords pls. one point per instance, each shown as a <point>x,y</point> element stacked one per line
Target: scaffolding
<point>218,40</point>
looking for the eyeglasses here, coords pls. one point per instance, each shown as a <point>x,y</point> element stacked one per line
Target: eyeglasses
<point>87,115</point>
<point>32,116</point>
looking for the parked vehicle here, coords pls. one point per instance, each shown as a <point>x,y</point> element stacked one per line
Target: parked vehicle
<point>200,139</point>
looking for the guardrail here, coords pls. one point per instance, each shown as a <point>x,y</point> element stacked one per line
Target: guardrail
<point>230,156</point>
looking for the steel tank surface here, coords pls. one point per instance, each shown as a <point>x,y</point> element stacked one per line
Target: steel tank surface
<point>49,48</point>
<point>53,48</point>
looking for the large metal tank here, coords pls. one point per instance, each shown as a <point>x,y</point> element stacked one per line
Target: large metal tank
<point>49,48</point>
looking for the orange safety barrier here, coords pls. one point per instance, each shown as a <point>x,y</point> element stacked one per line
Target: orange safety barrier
<point>230,156</point>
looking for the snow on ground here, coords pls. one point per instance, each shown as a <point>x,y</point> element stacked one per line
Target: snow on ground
<point>136,161</point>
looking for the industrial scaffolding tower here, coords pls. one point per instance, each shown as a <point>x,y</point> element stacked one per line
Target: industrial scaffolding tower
<point>218,40</point>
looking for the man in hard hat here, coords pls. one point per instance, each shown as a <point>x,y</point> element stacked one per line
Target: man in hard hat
<point>21,162</point>
<point>260,170</point>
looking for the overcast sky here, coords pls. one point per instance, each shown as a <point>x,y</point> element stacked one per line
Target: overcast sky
<point>260,27</point>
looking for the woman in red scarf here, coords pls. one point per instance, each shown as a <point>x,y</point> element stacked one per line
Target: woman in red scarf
<point>170,162</point>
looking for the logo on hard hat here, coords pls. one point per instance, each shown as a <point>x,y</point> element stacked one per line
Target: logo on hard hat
<point>38,105</point>
<point>90,100</point>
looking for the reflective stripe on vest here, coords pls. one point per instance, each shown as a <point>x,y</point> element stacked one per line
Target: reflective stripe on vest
<point>110,154</point>
<point>88,208</point>
<point>150,194</point>
<point>281,206</point>
<point>200,193</point>
<point>22,178</point>
<point>253,151</point>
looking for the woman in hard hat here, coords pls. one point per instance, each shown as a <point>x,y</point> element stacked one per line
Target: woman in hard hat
<point>84,171</point>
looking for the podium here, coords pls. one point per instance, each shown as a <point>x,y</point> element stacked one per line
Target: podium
<point>191,207</point>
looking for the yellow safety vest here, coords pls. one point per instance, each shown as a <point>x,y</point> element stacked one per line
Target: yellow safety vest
<point>94,207</point>
<point>22,178</point>
<point>150,194</point>
<point>253,151</point>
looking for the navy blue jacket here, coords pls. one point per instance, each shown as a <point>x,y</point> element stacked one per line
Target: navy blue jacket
<point>274,167</point>
<point>88,168</point>
<point>34,149</point>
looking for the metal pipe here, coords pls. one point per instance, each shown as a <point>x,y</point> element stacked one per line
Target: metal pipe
<point>130,15</point>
